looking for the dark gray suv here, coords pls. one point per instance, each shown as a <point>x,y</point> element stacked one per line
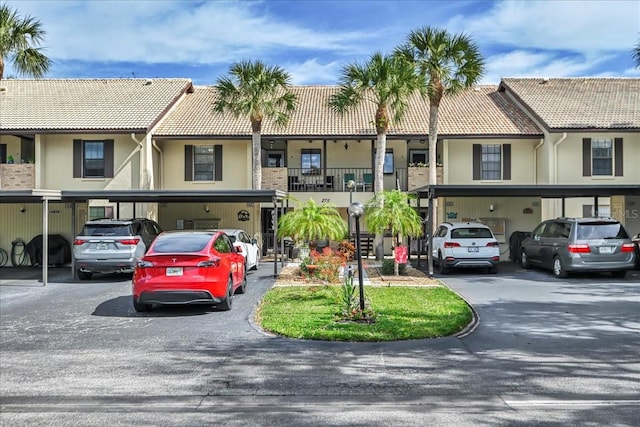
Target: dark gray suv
<point>565,245</point>
<point>112,245</point>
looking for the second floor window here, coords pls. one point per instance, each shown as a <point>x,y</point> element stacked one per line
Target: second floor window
<point>311,161</point>
<point>203,162</point>
<point>602,156</point>
<point>491,162</point>
<point>93,157</point>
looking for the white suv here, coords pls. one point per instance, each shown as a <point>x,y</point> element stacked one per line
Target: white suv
<point>465,245</point>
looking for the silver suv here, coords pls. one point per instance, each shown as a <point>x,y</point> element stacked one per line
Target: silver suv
<point>565,245</point>
<point>112,245</point>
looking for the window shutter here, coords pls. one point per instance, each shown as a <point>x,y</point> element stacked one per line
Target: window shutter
<point>77,158</point>
<point>506,161</point>
<point>477,161</point>
<point>217,162</point>
<point>617,151</point>
<point>188,162</point>
<point>108,158</point>
<point>586,157</point>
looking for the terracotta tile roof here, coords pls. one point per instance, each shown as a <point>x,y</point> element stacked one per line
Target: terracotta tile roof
<point>481,112</point>
<point>86,104</point>
<point>580,103</point>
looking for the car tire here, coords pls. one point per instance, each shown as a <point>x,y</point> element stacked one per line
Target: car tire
<point>83,275</point>
<point>243,285</point>
<point>558,268</point>
<point>524,260</point>
<point>442,269</point>
<point>255,266</point>
<point>140,307</point>
<point>620,274</point>
<point>227,302</point>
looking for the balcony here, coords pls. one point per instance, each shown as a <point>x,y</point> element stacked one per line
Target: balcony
<point>20,176</point>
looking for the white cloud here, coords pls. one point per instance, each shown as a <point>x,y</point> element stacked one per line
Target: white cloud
<point>174,31</point>
<point>584,26</point>
<point>312,72</point>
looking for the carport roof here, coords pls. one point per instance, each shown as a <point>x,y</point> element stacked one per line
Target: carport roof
<point>545,191</point>
<point>159,196</point>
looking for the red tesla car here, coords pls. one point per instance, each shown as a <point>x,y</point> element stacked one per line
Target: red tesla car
<point>189,267</point>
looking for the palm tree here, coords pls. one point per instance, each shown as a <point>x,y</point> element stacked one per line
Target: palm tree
<point>396,215</point>
<point>636,54</point>
<point>260,92</point>
<point>310,222</point>
<point>388,82</point>
<point>450,63</point>
<point>19,38</point>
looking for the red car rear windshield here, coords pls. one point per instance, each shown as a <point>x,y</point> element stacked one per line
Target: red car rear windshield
<point>181,243</point>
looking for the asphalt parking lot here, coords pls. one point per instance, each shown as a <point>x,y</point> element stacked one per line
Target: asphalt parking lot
<point>545,352</point>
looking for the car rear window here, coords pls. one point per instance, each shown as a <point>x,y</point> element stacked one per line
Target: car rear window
<point>106,230</point>
<point>181,243</point>
<point>471,233</point>
<point>601,230</point>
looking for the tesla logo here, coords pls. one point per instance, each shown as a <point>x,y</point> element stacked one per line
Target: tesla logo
<point>174,260</point>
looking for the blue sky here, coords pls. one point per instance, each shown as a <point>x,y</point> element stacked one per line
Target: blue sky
<point>313,40</point>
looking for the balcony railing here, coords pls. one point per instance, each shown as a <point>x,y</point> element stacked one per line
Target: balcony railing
<point>335,179</point>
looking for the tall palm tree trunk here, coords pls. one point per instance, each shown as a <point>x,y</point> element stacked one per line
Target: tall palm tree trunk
<point>381,148</point>
<point>256,160</point>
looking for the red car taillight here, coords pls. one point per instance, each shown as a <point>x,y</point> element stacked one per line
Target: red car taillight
<point>493,244</point>
<point>209,263</point>
<point>79,242</point>
<point>627,247</point>
<point>451,244</point>
<point>144,264</point>
<point>129,242</point>
<point>579,248</point>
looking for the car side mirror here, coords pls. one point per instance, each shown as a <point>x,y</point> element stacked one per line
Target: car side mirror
<point>254,241</point>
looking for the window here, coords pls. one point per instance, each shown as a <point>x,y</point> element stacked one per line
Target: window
<point>93,158</point>
<point>273,159</point>
<point>602,157</point>
<point>491,162</point>
<point>388,162</point>
<point>311,161</point>
<point>203,162</point>
<point>418,157</point>
<point>96,212</point>
<point>222,244</point>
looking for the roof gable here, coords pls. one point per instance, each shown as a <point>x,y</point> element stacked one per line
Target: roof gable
<point>45,105</point>
<point>579,103</point>
<point>481,111</point>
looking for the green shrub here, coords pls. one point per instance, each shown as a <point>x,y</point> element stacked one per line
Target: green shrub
<point>388,267</point>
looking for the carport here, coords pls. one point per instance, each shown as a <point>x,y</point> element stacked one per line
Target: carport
<point>548,191</point>
<point>141,196</point>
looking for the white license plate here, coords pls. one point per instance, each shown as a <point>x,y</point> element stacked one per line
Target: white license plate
<point>101,246</point>
<point>473,249</point>
<point>174,271</point>
<point>605,249</point>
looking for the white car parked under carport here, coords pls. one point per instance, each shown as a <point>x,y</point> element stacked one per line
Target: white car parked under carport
<point>248,246</point>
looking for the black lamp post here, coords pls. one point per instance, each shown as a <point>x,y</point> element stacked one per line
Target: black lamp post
<point>356,210</point>
<point>351,184</point>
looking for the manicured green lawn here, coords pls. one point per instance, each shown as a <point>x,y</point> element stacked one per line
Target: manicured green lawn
<point>403,313</point>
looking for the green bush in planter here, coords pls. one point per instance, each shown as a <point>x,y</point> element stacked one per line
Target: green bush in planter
<point>388,267</point>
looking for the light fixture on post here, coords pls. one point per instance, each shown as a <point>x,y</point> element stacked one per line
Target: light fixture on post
<point>356,210</point>
<point>206,208</point>
<point>492,207</point>
<point>351,184</point>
